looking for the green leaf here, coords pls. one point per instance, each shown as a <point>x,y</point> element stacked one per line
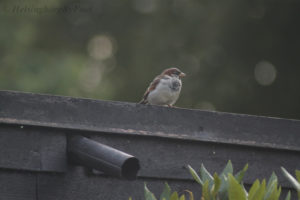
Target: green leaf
<point>292,180</point>
<point>206,176</point>
<point>190,194</point>
<point>224,183</point>
<point>260,193</point>
<point>223,191</point>
<point>240,175</point>
<point>166,192</point>
<point>228,169</point>
<point>271,179</point>
<point>148,195</point>
<point>205,191</point>
<point>297,172</point>
<point>130,198</point>
<point>236,191</point>
<point>195,175</point>
<point>216,186</point>
<point>254,188</point>
<point>271,191</point>
<point>288,196</point>
<point>174,196</point>
<point>278,193</point>
<point>245,191</point>
<point>182,197</point>
<point>271,187</point>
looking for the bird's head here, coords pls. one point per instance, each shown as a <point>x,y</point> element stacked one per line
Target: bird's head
<point>174,72</point>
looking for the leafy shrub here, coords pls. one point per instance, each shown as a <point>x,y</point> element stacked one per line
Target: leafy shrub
<point>229,186</point>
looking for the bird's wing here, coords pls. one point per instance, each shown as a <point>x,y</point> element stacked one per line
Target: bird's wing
<point>151,87</point>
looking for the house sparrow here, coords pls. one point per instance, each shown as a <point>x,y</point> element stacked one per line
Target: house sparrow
<point>164,89</point>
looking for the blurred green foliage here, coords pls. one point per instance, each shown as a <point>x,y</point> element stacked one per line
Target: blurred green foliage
<point>240,56</point>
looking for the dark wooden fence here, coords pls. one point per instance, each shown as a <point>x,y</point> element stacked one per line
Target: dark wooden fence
<point>33,141</point>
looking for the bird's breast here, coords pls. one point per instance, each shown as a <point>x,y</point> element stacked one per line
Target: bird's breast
<point>175,85</point>
<point>165,92</point>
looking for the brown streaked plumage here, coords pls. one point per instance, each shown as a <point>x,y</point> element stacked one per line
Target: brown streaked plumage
<point>151,87</point>
<point>170,77</point>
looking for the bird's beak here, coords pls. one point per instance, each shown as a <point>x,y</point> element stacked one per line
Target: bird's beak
<point>182,75</point>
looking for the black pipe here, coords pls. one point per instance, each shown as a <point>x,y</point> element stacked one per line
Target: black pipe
<point>92,154</point>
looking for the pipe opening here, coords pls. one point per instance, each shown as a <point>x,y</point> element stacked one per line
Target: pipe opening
<point>130,168</point>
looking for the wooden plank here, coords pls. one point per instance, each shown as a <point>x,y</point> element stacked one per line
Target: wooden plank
<point>32,149</point>
<point>40,149</point>
<point>16,185</point>
<point>136,119</point>
<point>163,158</point>
<point>164,139</point>
<point>75,185</point>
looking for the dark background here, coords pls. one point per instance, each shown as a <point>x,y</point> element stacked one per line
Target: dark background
<point>240,56</point>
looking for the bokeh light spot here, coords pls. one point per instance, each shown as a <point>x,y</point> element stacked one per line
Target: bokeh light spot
<point>265,73</point>
<point>101,47</point>
<point>90,78</point>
